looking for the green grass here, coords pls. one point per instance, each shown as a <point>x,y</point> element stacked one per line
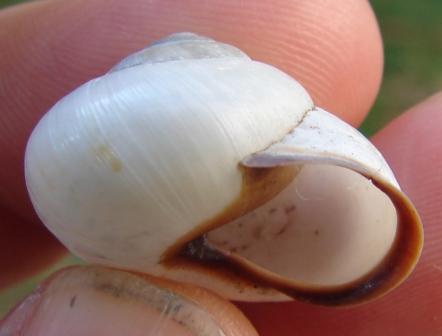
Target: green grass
<point>412,33</point>
<point>5,3</point>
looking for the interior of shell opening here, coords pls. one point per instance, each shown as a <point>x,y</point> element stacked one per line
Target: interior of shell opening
<point>330,226</point>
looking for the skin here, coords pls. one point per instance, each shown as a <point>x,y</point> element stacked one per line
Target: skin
<point>50,47</point>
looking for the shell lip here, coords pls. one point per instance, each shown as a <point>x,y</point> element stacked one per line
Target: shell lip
<point>395,267</point>
<point>390,272</point>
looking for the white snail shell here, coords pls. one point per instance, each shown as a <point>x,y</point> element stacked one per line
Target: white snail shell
<point>190,161</point>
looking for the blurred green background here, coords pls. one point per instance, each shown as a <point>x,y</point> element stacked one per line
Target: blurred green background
<point>412,33</point>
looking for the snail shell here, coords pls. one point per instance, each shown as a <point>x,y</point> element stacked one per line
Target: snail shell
<point>190,161</point>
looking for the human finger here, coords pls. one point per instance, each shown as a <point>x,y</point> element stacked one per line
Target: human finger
<point>53,46</point>
<point>91,300</point>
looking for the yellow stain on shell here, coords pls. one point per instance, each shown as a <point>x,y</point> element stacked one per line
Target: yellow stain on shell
<point>105,154</point>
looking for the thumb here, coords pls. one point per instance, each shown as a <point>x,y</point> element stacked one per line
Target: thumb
<point>94,300</point>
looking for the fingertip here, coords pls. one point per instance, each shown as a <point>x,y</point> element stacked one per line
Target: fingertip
<point>411,144</point>
<point>24,249</point>
<point>335,51</point>
<point>94,300</point>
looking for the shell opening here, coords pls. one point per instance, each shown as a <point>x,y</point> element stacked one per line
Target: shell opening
<point>329,227</point>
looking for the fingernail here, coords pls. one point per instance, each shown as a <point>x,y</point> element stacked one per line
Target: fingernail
<point>99,301</point>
